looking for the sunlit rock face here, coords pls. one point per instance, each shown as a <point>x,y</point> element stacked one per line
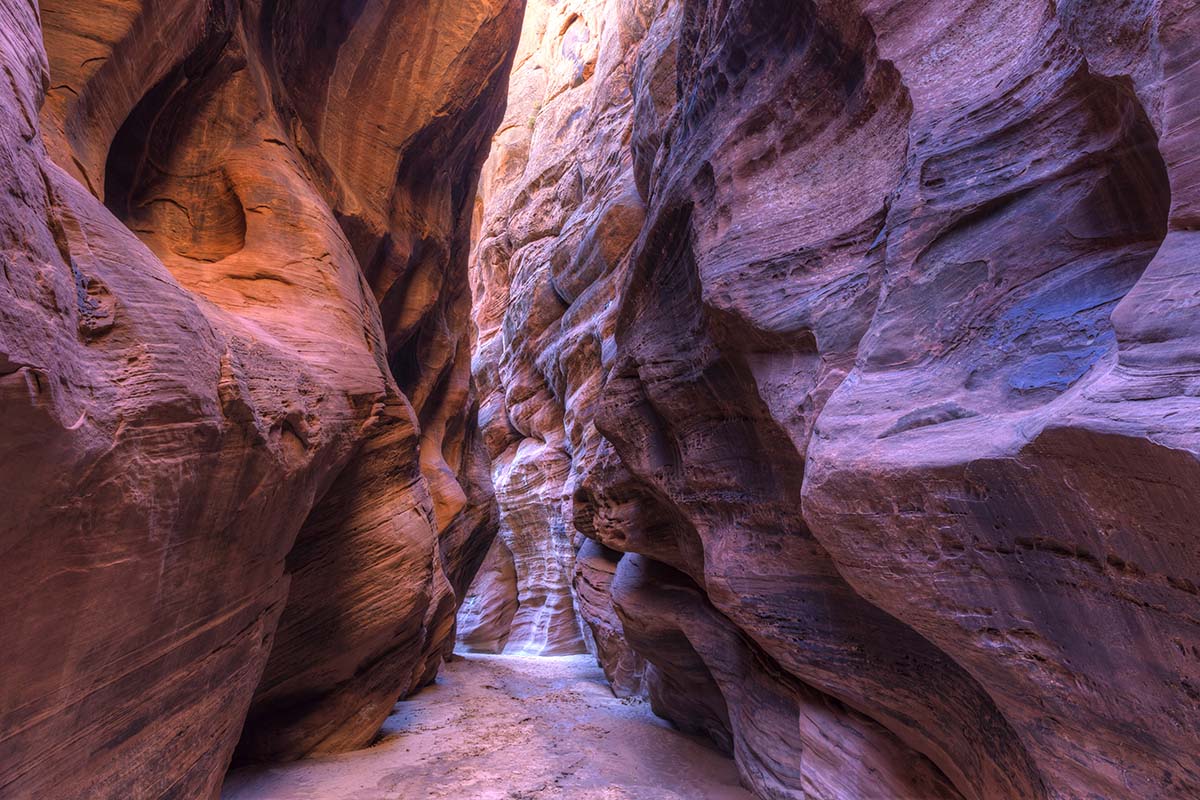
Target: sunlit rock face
<point>234,310</point>
<point>868,327</point>
<point>559,211</point>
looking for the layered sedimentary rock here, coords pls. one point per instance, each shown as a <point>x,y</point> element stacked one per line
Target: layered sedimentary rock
<point>885,369</point>
<point>1054,465</point>
<point>789,739</point>
<point>624,667</point>
<point>554,222</point>
<point>234,303</point>
<point>486,615</point>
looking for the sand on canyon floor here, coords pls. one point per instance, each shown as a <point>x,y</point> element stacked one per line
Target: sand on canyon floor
<point>510,728</point>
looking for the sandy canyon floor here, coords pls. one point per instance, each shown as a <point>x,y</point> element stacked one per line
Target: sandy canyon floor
<point>510,728</point>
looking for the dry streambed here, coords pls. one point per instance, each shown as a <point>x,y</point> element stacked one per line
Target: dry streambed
<point>510,728</point>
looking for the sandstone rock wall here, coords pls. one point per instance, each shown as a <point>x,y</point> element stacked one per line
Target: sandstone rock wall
<point>234,356</point>
<point>559,210</point>
<point>867,327</point>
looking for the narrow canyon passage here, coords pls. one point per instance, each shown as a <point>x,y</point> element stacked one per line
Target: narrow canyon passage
<point>599,399</point>
<point>510,728</point>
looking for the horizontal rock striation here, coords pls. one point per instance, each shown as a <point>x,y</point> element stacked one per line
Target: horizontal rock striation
<point>558,211</point>
<point>240,463</point>
<point>866,331</point>
<point>486,615</point>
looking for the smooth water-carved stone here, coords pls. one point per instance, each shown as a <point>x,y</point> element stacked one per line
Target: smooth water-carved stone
<point>205,206</point>
<point>867,327</point>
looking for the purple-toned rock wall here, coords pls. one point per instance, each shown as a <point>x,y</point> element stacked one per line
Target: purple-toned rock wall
<point>866,332</point>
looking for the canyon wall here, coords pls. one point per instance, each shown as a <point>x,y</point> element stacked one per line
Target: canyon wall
<point>543,196</point>
<point>242,479</point>
<point>859,339</point>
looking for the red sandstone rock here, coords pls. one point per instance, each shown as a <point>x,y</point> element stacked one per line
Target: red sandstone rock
<point>555,223</point>
<point>897,375</point>
<point>790,740</point>
<point>206,206</point>
<point>624,667</point>
<point>863,328</point>
<point>1056,559</point>
<point>486,616</point>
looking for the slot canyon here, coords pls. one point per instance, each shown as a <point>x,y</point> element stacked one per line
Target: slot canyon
<point>600,399</point>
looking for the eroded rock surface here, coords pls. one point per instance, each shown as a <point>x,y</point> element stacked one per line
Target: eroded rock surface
<point>555,221</point>
<point>486,615</point>
<point>234,301</point>
<point>868,328</point>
